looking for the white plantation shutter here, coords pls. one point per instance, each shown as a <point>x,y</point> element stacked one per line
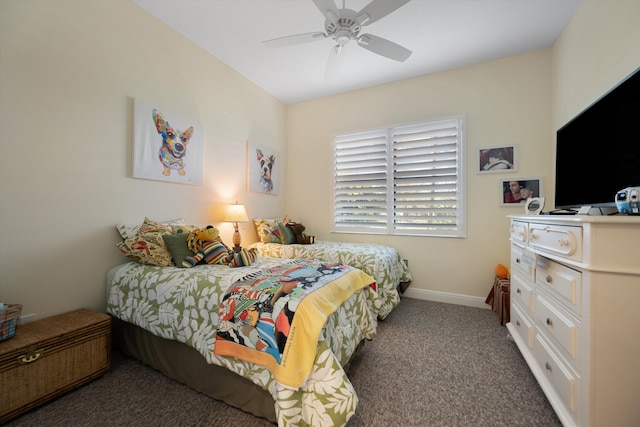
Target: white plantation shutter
<point>427,196</point>
<point>361,182</point>
<point>405,181</point>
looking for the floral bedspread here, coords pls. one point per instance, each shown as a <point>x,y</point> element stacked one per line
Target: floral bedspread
<point>183,305</point>
<point>381,262</point>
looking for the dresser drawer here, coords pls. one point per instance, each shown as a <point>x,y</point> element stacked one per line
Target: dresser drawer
<point>562,378</point>
<point>561,240</point>
<point>559,324</point>
<point>519,232</point>
<point>523,325</point>
<point>522,292</point>
<point>524,262</point>
<point>563,282</point>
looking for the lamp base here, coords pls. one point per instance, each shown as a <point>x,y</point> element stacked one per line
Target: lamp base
<point>236,240</point>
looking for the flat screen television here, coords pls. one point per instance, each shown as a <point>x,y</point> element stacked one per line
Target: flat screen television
<point>598,151</point>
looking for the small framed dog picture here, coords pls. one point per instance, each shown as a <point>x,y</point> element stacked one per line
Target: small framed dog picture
<point>263,169</point>
<point>166,146</point>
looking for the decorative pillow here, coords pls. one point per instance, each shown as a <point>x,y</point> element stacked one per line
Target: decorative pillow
<point>177,244</point>
<point>183,228</point>
<point>151,226</point>
<point>129,231</point>
<point>287,237</point>
<point>147,249</point>
<point>268,229</point>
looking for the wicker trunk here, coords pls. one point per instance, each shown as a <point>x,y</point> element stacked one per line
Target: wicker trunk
<point>52,356</point>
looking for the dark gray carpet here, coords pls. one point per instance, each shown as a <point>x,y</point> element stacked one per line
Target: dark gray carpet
<point>432,364</point>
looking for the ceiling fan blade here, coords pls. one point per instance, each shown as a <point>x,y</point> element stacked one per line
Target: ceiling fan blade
<point>295,39</point>
<point>334,63</point>
<point>328,9</point>
<point>383,47</point>
<point>378,9</point>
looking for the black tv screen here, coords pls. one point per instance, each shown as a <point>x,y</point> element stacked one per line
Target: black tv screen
<point>598,151</point>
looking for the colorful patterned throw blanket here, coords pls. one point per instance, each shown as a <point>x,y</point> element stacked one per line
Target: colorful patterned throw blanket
<point>274,317</point>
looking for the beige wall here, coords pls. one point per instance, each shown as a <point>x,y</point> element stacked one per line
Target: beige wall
<point>68,73</point>
<point>600,47</point>
<point>506,102</point>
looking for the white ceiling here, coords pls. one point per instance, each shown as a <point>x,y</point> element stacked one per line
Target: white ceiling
<point>442,34</point>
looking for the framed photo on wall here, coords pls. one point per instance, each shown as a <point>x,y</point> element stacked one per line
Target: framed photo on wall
<point>166,145</point>
<point>263,169</point>
<point>515,192</point>
<point>497,159</point>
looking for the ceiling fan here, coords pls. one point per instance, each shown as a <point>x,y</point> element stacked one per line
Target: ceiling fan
<point>343,25</point>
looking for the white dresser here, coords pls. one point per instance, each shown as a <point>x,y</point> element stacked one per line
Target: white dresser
<point>575,313</point>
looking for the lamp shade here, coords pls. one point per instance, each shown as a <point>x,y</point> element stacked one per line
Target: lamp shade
<point>236,213</point>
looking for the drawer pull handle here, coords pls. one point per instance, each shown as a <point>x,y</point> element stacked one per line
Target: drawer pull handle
<point>518,323</point>
<point>549,321</point>
<point>547,366</point>
<point>517,260</point>
<point>30,357</point>
<point>518,291</point>
<point>563,242</point>
<point>549,279</point>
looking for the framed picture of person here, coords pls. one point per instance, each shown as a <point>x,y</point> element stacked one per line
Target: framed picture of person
<point>515,192</point>
<point>497,159</point>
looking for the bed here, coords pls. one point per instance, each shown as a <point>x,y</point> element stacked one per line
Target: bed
<point>177,320</point>
<point>381,262</point>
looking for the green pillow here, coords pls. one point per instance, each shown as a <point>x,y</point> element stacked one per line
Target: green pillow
<point>286,235</point>
<point>177,244</point>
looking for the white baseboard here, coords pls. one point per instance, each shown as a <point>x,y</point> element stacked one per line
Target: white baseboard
<point>446,297</point>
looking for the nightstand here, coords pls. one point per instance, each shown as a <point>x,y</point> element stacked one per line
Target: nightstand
<point>51,356</point>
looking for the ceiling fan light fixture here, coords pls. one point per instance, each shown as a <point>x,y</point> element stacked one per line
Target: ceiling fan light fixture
<point>342,36</point>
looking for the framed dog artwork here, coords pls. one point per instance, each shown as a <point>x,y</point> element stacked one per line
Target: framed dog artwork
<point>263,169</point>
<point>166,145</point>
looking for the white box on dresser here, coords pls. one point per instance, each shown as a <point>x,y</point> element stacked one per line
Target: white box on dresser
<point>575,313</point>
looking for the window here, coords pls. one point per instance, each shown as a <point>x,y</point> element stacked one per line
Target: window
<point>406,180</point>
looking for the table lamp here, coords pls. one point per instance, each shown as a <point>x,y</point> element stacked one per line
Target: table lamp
<point>236,213</point>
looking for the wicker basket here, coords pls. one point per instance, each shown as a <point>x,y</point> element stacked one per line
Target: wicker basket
<point>9,320</point>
